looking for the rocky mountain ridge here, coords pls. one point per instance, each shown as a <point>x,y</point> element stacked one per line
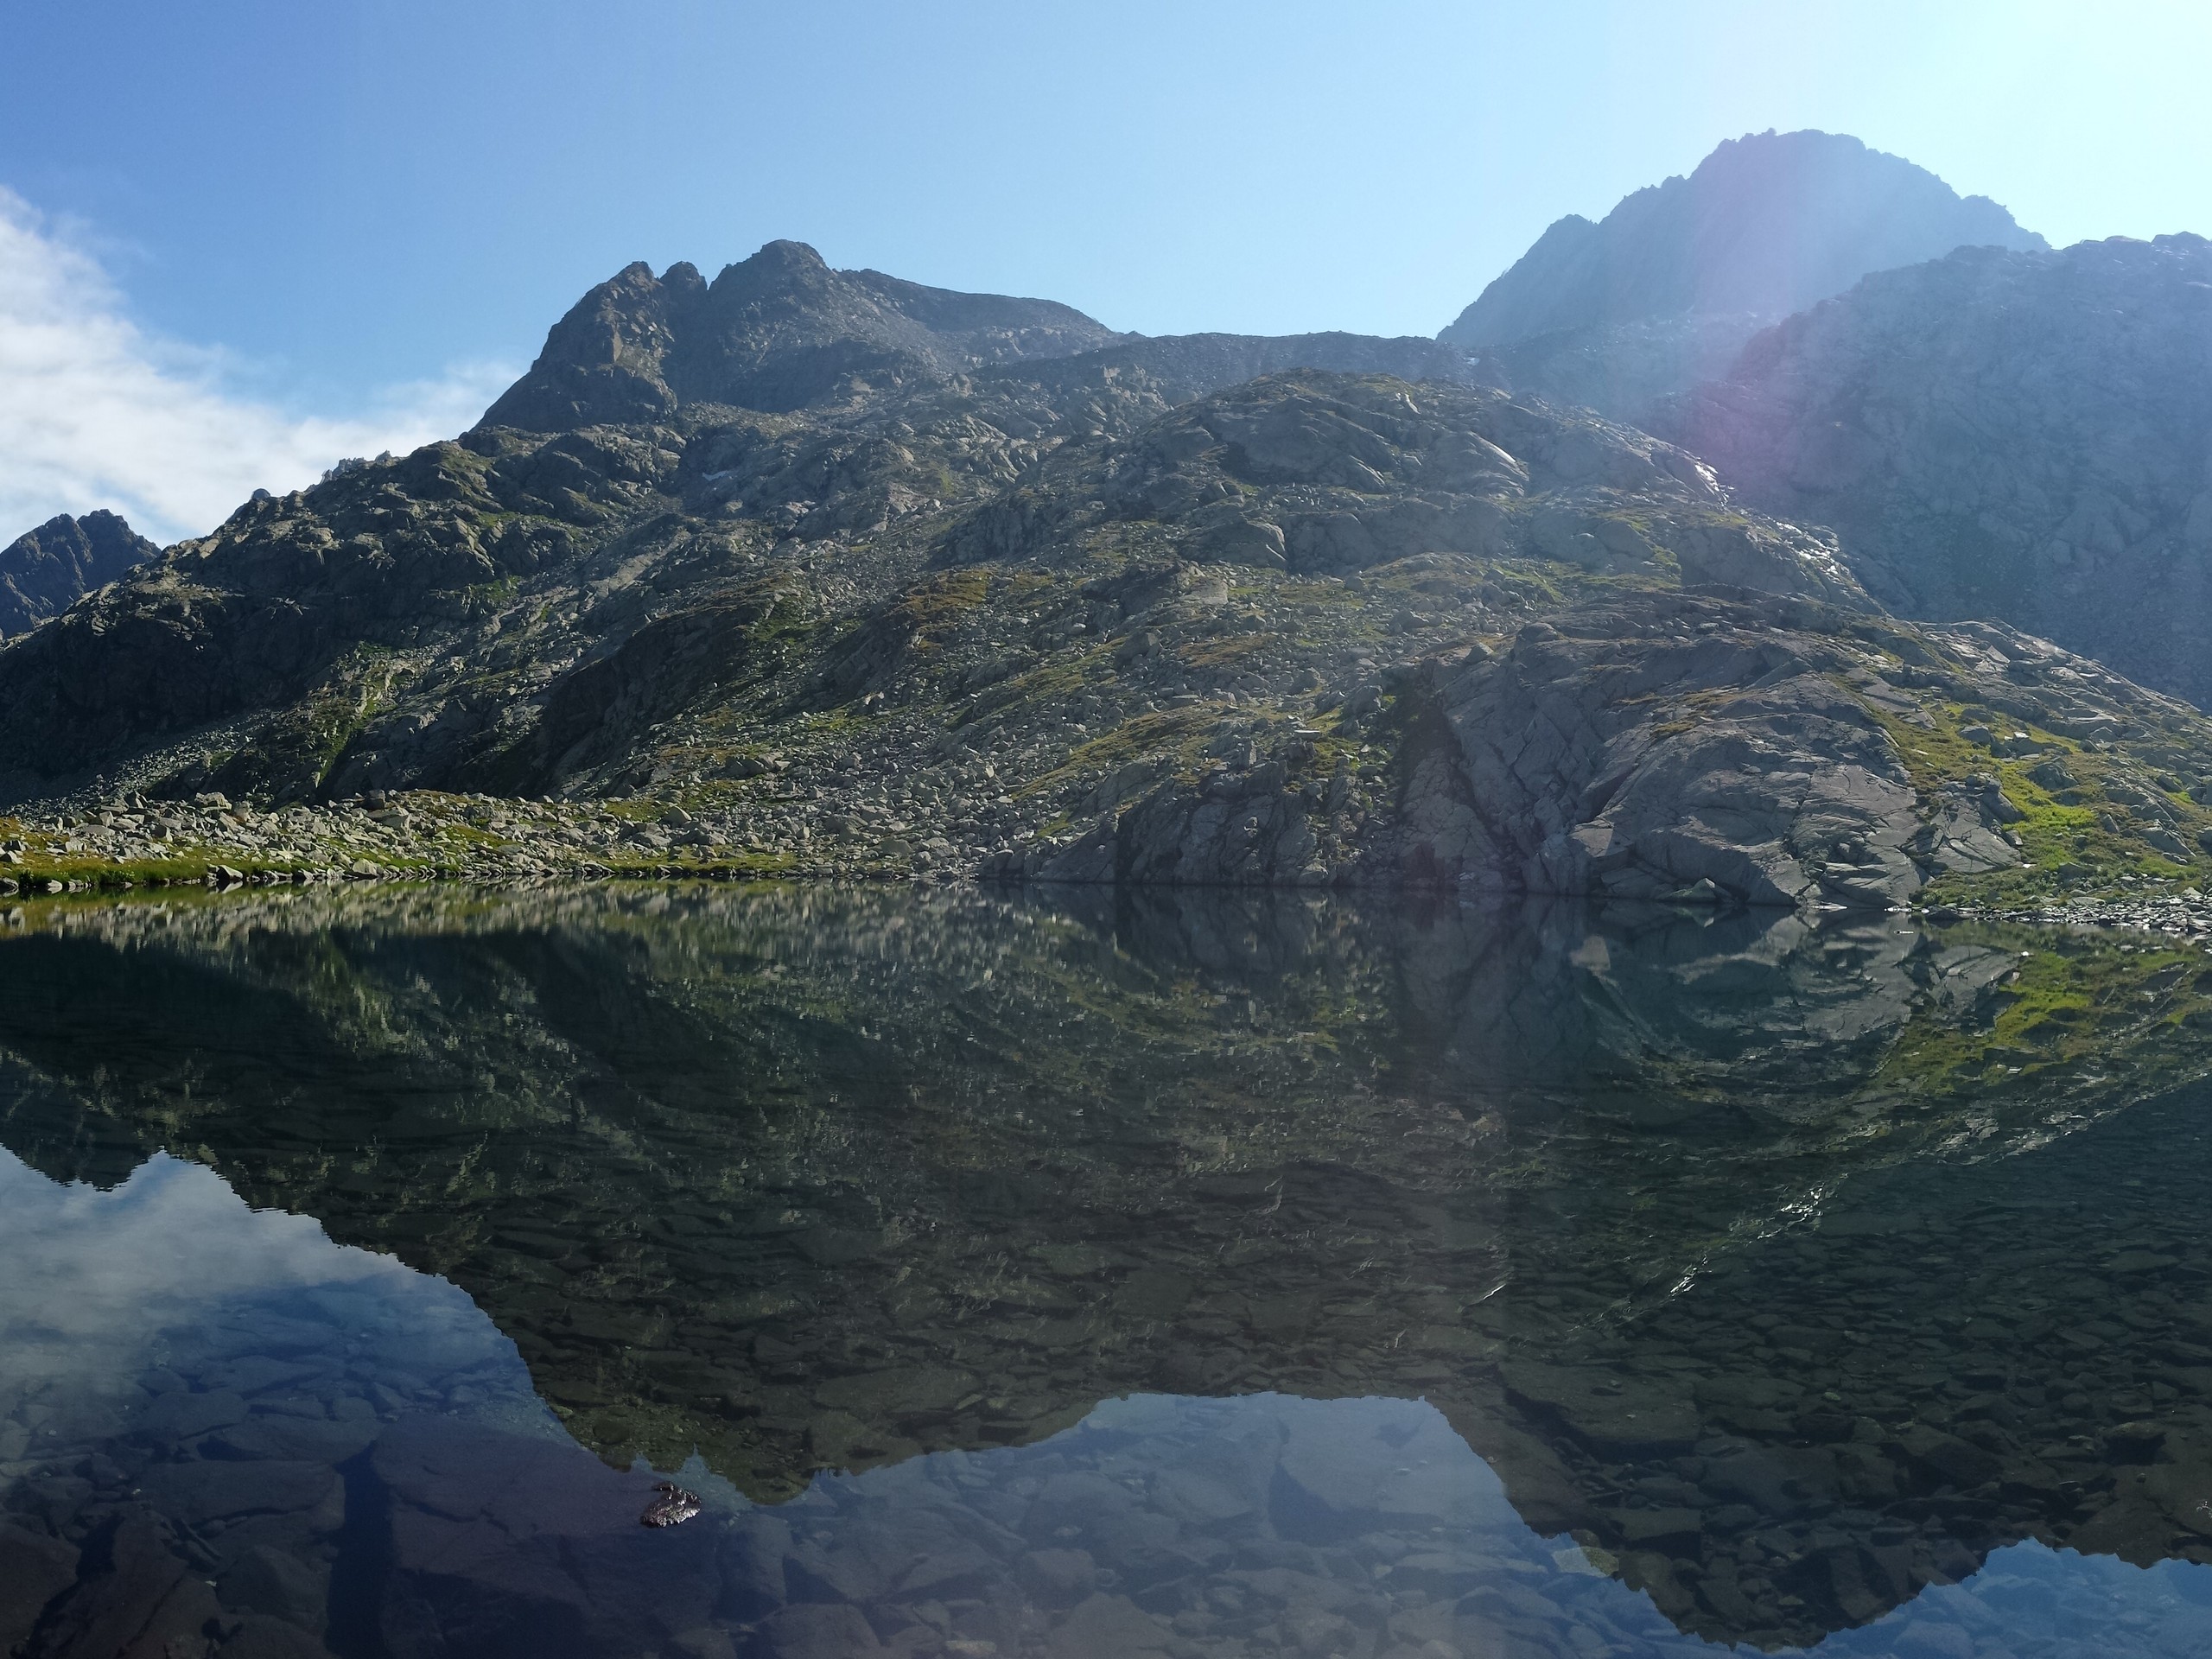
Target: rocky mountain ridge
<point>1310,629</point>
<point>44,571</point>
<point>782,331</point>
<point>1664,292</point>
<point>1025,604</point>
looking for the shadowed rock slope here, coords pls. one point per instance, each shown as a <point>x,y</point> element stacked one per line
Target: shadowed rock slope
<point>44,571</point>
<point>2017,436</point>
<point>1665,289</point>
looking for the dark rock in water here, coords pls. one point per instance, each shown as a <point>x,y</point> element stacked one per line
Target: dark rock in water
<point>1663,291</point>
<point>671,1508</point>
<point>2017,434</point>
<point>44,571</point>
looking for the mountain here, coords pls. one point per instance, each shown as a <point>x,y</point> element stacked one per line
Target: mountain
<point>1664,291</point>
<point>1095,617</point>
<point>2020,435</point>
<point>44,571</point>
<point>779,331</point>
<point>782,331</point>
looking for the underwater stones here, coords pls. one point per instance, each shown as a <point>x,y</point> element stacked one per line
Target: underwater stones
<point>566,1535</point>
<point>278,1584</point>
<point>216,1490</point>
<point>1342,1482</point>
<point>1947,1457</point>
<point>1059,1577</point>
<point>815,1630</point>
<point>1737,1238</point>
<point>1614,1416</point>
<point>185,1415</point>
<point>145,1595</point>
<point>35,1568</point>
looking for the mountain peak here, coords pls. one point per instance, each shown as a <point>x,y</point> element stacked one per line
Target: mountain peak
<point>783,255</point>
<point>44,571</point>
<point>683,278</point>
<point>1765,225</point>
<point>779,331</point>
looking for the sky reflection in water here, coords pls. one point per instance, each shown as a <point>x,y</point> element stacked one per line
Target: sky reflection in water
<point>350,1449</point>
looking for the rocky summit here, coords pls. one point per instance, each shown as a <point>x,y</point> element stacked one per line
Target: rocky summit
<point>44,571</point>
<point>1664,291</point>
<point>782,331</point>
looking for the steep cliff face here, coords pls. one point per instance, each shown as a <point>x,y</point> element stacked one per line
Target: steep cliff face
<point>44,571</point>
<point>2017,436</point>
<point>1664,291</point>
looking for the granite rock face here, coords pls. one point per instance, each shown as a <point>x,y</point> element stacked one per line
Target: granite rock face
<point>44,571</point>
<point>1663,292</point>
<point>1635,756</point>
<point>2016,435</point>
<point>1697,748</point>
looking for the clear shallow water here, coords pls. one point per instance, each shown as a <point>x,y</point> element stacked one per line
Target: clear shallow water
<point>1214,1278</point>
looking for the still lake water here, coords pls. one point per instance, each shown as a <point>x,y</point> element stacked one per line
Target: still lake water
<point>1187,1275</point>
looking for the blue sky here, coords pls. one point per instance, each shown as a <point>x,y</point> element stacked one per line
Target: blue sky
<point>350,220</point>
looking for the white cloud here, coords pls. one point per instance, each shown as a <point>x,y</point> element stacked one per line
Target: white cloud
<point>93,1278</point>
<point>96,412</point>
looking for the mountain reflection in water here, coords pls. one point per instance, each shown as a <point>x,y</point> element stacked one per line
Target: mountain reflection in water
<point>1781,1274</point>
